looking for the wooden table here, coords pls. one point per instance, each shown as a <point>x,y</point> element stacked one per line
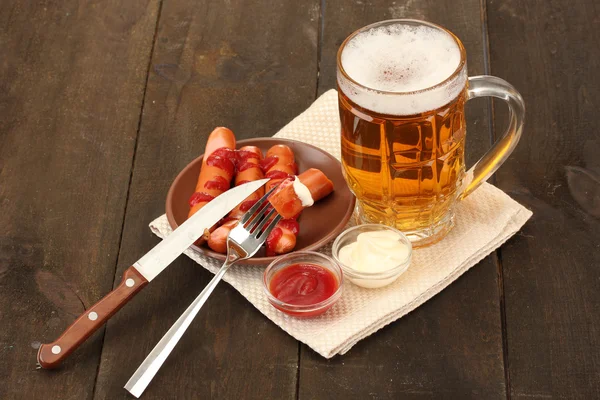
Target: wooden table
<point>102,103</point>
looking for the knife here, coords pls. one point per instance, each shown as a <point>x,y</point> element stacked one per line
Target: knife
<point>142,272</point>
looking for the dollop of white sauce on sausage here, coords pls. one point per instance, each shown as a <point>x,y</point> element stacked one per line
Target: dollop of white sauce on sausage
<point>303,193</point>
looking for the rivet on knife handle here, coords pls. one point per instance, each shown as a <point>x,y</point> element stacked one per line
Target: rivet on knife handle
<point>50,355</point>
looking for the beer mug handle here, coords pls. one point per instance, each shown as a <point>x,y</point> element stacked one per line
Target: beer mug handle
<point>484,86</point>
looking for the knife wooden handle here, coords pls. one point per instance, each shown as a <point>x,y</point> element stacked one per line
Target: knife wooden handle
<point>51,355</point>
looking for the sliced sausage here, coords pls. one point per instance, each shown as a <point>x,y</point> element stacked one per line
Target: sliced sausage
<point>285,199</point>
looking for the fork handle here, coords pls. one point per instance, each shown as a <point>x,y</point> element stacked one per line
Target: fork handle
<point>142,377</point>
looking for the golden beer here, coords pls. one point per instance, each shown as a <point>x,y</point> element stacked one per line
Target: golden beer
<point>402,88</point>
<point>406,170</point>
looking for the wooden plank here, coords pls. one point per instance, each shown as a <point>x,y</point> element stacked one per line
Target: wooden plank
<point>549,51</point>
<point>251,67</point>
<point>451,347</point>
<point>72,77</point>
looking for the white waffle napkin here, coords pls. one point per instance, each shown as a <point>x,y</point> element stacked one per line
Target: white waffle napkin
<point>485,220</point>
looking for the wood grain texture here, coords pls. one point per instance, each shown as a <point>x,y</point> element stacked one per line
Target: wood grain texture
<point>71,83</point>
<point>549,51</point>
<point>451,347</point>
<point>251,67</point>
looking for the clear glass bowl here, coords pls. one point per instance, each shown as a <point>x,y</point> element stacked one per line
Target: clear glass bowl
<point>311,257</point>
<point>370,280</point>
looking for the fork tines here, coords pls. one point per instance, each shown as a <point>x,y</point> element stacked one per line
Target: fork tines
<point>259,215</point>
<point>259,204</point>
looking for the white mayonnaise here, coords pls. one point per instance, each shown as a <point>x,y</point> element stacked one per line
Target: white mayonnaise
<point>303,193</point>
<point>376,251</point>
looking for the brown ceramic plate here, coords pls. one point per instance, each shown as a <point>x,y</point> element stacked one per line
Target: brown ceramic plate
<point>319,224</point>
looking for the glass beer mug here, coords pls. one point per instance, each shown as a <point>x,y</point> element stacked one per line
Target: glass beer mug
<point>402,87</point>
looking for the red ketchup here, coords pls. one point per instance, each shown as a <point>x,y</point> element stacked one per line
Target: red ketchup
<point>223,163</point>
<point>217,183</point>
<point>200,197</point>
<point>247,204</point>
<point>303,284</point>
<point>277,175</point>
<point>244,155</point>
<point>267,163</point>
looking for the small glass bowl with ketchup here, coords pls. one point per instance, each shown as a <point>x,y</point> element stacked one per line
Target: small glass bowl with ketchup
<point>303,283</point>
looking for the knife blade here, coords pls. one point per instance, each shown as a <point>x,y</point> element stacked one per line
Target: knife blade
<point>163,254</point>
<point>142,272</point>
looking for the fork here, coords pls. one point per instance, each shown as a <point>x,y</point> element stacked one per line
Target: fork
<point>242,243</point>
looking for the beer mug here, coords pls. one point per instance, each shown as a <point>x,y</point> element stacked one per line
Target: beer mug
<point>402,87</point>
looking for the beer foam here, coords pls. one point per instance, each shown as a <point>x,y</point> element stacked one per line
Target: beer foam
<point>402,58</point>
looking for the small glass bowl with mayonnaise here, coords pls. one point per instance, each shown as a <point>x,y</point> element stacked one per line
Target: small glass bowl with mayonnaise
<point>372,255</point>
